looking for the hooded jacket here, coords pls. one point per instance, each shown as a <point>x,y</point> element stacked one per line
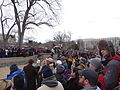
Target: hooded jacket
<point>61,79</point>
<point>111,76</point>
<point>51,83</point>
<point>15,73</point>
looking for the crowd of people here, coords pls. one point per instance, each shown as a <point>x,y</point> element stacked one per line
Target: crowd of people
<point>71,71</point>
<point>23,52</point>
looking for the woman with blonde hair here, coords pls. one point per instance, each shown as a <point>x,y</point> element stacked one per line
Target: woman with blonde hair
<point>39,77</point>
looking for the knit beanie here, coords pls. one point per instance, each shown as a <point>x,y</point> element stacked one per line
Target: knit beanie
<point>60,69</point>
<point>58,62</point>
<point>13,67</point>
<point>91,75</point>
<point>47,72</point>
<point>96,63</point>
<point>62,58</point>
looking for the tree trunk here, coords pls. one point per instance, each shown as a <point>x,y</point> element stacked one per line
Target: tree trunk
<point>20,40</point>
<point>5,43</point>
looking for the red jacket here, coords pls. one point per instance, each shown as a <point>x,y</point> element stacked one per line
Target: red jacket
<point>111,76</point>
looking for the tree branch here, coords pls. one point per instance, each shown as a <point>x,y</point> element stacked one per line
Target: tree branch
<point>58,3</point>
<point>50,7</point>
<point>7,35</point>
<point>6,19</point>
<point>27,3</point>
<point>26,16</point>
<point>40,23</point>
<point>16,16</point>
<point>2,23</point>
<point>42,7</point>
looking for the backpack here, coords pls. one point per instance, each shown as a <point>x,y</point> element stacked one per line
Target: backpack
<point>18,81</point>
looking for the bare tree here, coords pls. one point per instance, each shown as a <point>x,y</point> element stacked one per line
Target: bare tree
<point>62,37</point>
<point>81,43</point>
<point>30,13</point>
<point>6,34</point>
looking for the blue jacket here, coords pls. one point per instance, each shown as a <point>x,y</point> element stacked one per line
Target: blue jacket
<point>19,71</point>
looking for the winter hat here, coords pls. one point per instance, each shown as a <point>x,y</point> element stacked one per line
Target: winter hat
<point>83,60</point>
<point>4,84</point>
<point>13,67</point>
<point>83,65</point>
<point>47,72</point>
<point>77,64</point>
<point>38,61</point>
<point>58,62</point>
<point>60,69</point>
<point>106,45</point>
<point>91,75</point>
<point>96,62</point>
<point>49,59</point>
<point>62,58</point>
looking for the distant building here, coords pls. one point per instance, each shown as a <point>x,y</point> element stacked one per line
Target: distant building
<point>92,43</point>
<point>85,43</point>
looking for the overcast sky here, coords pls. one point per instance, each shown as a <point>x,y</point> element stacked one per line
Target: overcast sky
<point>86,19</point>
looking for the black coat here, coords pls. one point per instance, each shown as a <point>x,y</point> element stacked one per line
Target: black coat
<point>31,75</point>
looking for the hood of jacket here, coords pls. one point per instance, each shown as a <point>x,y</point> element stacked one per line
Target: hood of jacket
<point>50,81</point>
<point>116,58</point>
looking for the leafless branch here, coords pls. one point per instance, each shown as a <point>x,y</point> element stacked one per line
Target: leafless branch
<point>61,37</point>
<point>40,23</point>
<point>7,36</point>
<point>50,7</point>
<point>6,19</point>
<point>41,7</point>
<point>27,3</point>
<point>2,4</point>
<point>21,11</point>
<point>16,15</point>
<point>2,26</point>
<point>58,3</point>
<point>32,14</point>
<point>48,24</point>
